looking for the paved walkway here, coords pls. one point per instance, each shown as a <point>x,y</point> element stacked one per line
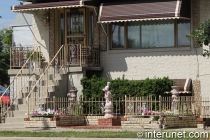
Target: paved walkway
<point>41,138</point>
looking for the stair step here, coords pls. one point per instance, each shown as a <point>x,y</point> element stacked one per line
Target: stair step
<point>20,101</point>
<point>51,88</point>
<point>17,113</point>
<point>14,120</point>
<point>18,107</point>
<point>12,125</point>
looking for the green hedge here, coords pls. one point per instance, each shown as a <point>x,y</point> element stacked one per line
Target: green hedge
<point>121,87</point>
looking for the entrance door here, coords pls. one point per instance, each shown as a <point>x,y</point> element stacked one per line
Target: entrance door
<point>75,26</point>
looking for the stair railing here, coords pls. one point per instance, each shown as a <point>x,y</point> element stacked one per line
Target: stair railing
<point>21,81</point>
<point>45,93</point>
<point>54,62</point>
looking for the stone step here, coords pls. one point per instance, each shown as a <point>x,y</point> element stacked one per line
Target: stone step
<point>20,101</point>
<point>11,125</point>
<point>15,120</point>
<point>141,126</point>
<point>17,113</point>
<point>51,88</point>
<point>18,107</point>
<point>134,122</point>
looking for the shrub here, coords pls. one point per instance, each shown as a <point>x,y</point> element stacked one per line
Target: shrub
<point>120,87</point>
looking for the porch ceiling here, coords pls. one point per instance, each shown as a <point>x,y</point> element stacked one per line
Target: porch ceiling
<point>144,10</point>
<point>49,5</point>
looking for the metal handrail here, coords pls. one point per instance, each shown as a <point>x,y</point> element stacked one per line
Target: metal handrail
<point>43,74</point>
<point>46,91</point>
<point>19,73</point>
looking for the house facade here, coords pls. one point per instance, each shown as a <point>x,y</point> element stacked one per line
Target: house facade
<point>137,39</point>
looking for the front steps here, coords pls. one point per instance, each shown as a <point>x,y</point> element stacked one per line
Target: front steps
<point>144,123</point>
<point>16,115</point>
<point>18,111</point>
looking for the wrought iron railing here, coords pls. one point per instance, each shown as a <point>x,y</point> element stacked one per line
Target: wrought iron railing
<point>17,85</point>
<point>18,57</point>
<point>71,55</point>
<point>39,91</point>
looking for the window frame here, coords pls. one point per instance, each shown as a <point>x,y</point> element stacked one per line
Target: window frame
<point>126,38</point>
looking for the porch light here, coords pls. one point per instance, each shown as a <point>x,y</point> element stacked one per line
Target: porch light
<point>46,18</point>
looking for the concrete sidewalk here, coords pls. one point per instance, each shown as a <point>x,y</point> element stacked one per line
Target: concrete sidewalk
<point>61,138</point>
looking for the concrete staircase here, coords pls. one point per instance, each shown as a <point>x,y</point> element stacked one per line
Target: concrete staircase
<point>18,111</point>
<point>145,123</point>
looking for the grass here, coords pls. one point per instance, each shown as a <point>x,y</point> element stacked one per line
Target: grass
<point>87,134</point>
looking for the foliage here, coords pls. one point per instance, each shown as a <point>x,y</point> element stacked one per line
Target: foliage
<point>4,66</point>
<point>120,87</point>
<point>5,40</point>
<point>202,36</point>
<point>35,56</point>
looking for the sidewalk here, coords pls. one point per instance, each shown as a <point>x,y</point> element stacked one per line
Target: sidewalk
<point>41,138</point>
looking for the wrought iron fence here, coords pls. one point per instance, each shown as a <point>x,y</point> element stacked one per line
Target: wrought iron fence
<point>129,106</point>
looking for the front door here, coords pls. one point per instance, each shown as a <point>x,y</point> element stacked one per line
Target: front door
<point>75,26</point>
<point>78,39</point>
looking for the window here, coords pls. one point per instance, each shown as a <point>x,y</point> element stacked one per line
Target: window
<point>150,34</point>
<point>118,35</point>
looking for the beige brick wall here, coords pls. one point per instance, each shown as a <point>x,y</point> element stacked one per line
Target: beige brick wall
<point>189,121</point>
<point>136,64</point>
<point>41,32</point>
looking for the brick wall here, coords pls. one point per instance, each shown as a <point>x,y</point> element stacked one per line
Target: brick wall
<point>180,122</point>
<point>70,121</point>
<point>40,122</point>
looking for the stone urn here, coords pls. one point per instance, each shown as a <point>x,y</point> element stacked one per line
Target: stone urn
<point>72,94</point>
<point>175,90</point>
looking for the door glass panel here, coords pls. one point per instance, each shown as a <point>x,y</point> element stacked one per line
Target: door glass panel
<point>91,27</point>
<point>62,28</point>
<point>75,22</point>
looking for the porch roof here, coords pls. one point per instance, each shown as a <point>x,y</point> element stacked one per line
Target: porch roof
<point>49,5</point>
<point>144,10</point>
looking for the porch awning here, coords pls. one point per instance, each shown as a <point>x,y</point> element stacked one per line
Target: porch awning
<point>49,5</point>
<point>144,10</point>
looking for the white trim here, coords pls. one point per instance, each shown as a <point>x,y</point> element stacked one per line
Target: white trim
<point>144,19</point>
<point>81,2</point>
<point>44,8</point>
<point>100,11</point>
<point>186,83</point>
<point>178,4</point>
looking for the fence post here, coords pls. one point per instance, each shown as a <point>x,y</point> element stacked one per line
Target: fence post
<point>160,98</point>
<point>125,105</point>
<point>54,105</point>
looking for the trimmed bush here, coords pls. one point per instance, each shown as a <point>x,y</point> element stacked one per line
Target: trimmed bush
<point>120,87</point>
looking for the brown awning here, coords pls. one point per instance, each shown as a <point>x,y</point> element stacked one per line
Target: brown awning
<point>144,10</point>
<point>50,5</point>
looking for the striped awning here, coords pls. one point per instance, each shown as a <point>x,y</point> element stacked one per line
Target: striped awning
<point>49,5</point>
<point>144,10</point>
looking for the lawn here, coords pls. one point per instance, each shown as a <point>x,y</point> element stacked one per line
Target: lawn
<point>87,134</point>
